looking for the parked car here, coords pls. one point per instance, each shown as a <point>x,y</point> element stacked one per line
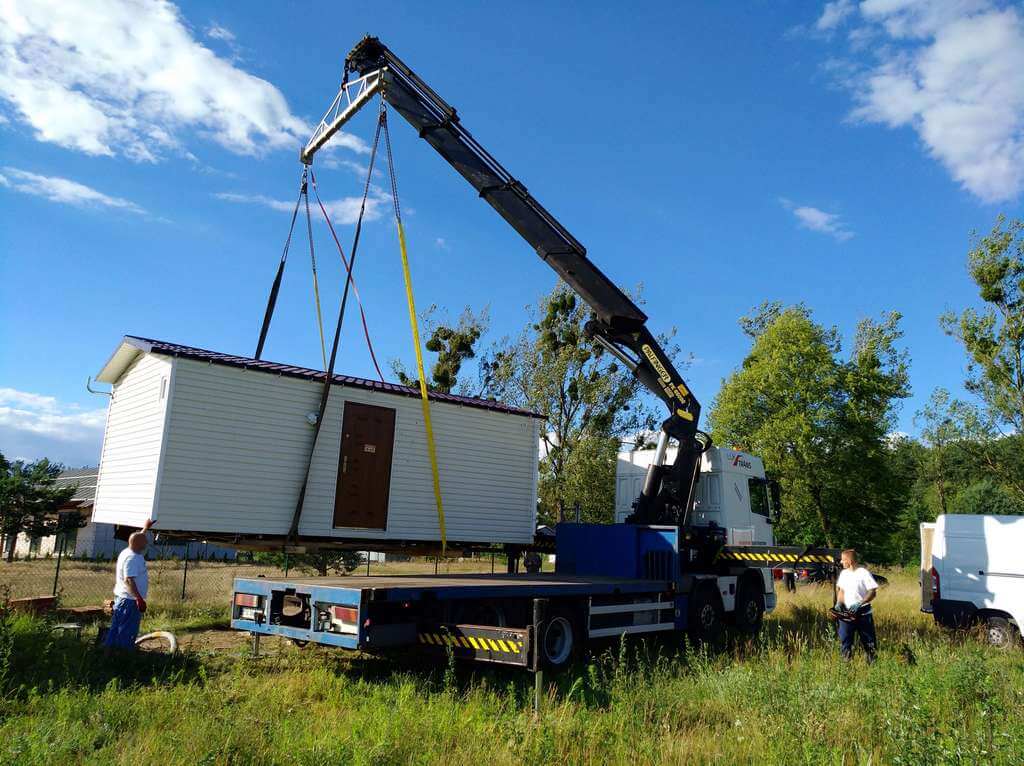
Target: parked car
<point>972,573</point>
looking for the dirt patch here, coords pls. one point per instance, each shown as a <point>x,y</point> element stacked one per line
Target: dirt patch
<point>217,639</point>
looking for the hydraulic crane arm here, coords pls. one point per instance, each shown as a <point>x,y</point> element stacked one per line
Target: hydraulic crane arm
<point>619,325</point>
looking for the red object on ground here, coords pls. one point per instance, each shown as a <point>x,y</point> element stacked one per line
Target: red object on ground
<point>33,605</point>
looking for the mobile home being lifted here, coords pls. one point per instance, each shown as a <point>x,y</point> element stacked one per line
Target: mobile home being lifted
<point>665,569</point>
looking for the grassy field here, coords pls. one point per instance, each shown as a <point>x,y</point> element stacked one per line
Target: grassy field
<point>932,698</point>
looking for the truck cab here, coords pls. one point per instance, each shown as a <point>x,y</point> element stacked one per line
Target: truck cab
<point>733,492</point>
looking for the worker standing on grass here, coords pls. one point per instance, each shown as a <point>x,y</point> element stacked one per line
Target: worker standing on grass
<point>855,590</point>
<point>131,584</point>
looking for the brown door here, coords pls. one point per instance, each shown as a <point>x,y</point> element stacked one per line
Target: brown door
<point>364,468</point>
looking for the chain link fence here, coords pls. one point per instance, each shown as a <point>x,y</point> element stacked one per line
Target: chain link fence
<point>191,575</point>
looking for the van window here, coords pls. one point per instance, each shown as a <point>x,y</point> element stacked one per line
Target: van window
<point>758,491</point>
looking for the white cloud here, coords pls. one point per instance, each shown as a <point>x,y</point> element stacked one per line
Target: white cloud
<point>341,211</point>
<point>818,220</point>
<point>834,14</point>
<point>442,244</point>
<point>63,190</point>
<point>341,140</point>
<point>126,77</point>
<point>34,426</point>
<point>217,32</point>
<point>27,400</point>
<point>952,71</point>
<point>356,167</point>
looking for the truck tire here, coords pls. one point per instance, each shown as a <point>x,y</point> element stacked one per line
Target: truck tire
<point>705,615</point>
<point>1000,632</point>
<point>559,640</point>
<point>749,614</point>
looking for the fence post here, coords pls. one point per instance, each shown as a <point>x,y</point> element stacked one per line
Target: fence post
<point>539,607</point>
<point>184,574</point>
<point>367,563</point>
<point>60,555</point>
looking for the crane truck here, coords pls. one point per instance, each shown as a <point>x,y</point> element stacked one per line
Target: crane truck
<point>679,562</point>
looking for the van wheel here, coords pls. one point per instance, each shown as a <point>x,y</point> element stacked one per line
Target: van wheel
<point>749,614</point>
<point>1000,632</point>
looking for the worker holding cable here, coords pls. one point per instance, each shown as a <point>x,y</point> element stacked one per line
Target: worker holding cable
<point>855,590</point>
<point>131,584</point>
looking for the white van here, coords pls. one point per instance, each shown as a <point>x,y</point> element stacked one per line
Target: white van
<point>972,571</point>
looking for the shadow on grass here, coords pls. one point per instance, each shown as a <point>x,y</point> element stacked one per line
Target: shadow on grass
<point>33,655</point>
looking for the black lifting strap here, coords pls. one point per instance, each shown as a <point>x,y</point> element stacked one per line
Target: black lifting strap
<point>329,375</point>
<point>276,287</point>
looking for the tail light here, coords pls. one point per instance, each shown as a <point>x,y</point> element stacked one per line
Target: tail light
<point>936,590</point>
<point>339,619</point>
<point>347,614</point>
<point>248,606</point>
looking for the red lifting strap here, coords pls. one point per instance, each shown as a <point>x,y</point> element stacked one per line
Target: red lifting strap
<point>344,260</point>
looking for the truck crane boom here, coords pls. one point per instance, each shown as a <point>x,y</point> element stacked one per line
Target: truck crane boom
<point>618,325</point>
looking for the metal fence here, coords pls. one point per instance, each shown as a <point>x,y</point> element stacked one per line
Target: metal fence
<point>190,578</point>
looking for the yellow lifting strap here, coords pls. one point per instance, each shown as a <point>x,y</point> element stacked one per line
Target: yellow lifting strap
<point>425,399</point>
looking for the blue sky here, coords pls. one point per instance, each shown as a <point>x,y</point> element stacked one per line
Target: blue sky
<point>834,153</point>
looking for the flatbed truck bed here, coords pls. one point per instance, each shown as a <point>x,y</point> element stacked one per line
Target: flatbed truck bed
<point>612,580</point>
<point>484,617</point>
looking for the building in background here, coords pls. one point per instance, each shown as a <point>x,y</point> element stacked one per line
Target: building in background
<point>96,540</point>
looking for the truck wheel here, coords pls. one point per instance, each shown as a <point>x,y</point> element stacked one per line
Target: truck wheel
<point>704,617</point>
<point>558,641</point>
<point>1000,632</point>
<point>749,614</point>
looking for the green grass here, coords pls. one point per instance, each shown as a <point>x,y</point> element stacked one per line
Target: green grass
<point>932,698</point>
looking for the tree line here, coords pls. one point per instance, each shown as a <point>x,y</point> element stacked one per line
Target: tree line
<point>822,418</point>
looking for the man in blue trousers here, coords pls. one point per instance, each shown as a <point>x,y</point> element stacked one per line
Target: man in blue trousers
<point>131,583</point>
<point>855,590</point>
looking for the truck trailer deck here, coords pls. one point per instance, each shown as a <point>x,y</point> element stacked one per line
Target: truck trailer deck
<point>613,580</point>
<point>485,617</point>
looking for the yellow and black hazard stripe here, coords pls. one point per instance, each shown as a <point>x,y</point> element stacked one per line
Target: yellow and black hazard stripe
<point>475,643</point>
<point>776,557</point>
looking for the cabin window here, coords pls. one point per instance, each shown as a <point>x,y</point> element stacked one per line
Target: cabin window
<point>709,492</point>
<point>758,491</point>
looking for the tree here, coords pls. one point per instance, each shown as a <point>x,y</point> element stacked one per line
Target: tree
<point>994,336</point>
<point>986,496</point>
<point>590,402</point>
<point>322,561</point>
<point>29,501</point>
<point>946,424</point>
<point>821,423</point>
<point>453,343</point>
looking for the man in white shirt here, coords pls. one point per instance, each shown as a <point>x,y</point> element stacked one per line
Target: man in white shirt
<point>855,590</point>
<point>131,584</point>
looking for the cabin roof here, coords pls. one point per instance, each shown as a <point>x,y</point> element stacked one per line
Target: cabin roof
<point>84,481</point>
<point>132,346</point>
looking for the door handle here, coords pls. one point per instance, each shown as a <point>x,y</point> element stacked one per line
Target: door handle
<point>344,464</point>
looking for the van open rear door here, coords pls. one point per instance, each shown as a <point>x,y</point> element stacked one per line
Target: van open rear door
<point>925,578</point>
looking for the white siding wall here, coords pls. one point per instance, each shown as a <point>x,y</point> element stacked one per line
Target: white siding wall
<point>130,458</point>
<point>238,440</point>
